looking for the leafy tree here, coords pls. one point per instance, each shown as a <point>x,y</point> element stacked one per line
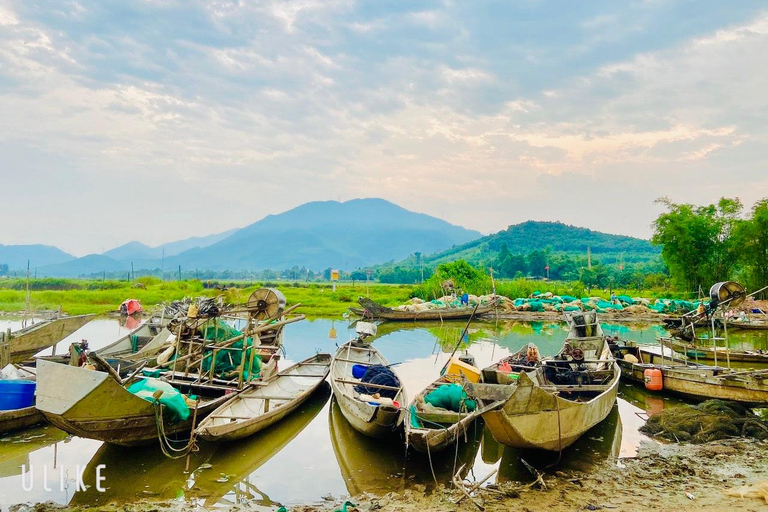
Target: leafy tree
<point>537,260</point>
<point>751,237</point>
<point>697,242</point>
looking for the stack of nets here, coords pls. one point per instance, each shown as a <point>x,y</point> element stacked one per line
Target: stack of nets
<point>708,421</point>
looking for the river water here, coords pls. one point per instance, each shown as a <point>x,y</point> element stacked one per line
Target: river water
<point>314,452</point>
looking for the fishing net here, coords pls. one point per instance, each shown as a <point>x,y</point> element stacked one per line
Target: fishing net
<point>451,397</point>
<point>708,421</point>
<point>170,397</point>
<point>382,376</point>
<point>228,361</point>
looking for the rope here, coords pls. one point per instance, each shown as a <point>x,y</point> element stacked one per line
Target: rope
<point>166,443</point>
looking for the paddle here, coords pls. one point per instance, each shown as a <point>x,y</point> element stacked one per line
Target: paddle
<point>458,343</point>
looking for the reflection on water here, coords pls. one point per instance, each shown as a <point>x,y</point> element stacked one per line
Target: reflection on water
<point>314,451</point>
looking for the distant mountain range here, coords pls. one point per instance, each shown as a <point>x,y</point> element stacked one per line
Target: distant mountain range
<point>16,256</point>
<point>316,235</point>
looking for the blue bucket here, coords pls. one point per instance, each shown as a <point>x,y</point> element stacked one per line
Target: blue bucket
<point>16,394</point>
<point>358,370</point>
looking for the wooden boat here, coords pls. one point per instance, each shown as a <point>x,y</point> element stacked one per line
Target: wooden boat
<point>257,408</point>
<point>19,419</point>
<point>94,405</point>
<point>695,381</point>
<point>707,354</point>
<point>551,406</point>
<point>30,340</point>
<point>373,310</point>
<point>369,416</point>
<point>430,429</point>
<point>749,325</point>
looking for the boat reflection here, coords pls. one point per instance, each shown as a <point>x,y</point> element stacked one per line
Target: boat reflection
<point>380,466</point>
<point>216,470</point>
<point>601,442</point>
<point>16,449</point>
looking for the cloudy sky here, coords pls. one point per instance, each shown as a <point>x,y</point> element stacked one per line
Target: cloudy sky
<point>158,120</point>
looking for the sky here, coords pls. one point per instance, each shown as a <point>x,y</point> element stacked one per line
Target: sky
<point>159,120</point>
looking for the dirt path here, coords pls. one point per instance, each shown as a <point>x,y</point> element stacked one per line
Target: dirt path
<point>680,478</point>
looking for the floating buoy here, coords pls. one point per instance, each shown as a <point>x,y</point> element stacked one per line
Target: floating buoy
<point>653,379</point>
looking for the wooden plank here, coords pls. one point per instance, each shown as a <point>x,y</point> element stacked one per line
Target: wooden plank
<point>368,384</point>
<point>231,417</point>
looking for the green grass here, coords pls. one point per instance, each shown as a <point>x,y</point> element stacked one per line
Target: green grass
<point>77,296</point>
<point>85,296</point>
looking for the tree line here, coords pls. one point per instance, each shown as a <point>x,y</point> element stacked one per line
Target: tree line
<point>705,244</point>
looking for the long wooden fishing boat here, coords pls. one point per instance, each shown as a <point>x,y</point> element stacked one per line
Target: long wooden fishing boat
<point>695,381</point>
<point>749,326</point>
<point>257,408</point>
<point>374,417</point>
<point>30,340</point>
<point>707,353</point>
<point>430,429</point>
<point>551,406</point>
<point>373,310</point>
<point>92,404</point>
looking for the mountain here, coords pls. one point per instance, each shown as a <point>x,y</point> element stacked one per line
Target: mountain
<point>316,235</point>
<point>326,234</point>
<point>140,251</point>
<point>16,256</point>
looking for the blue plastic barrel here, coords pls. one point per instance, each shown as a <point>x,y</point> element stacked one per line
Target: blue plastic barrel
<point>358,370</point>
<point>16,394</point>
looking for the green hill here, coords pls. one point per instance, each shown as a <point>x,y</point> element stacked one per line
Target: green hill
<point>528,248</point>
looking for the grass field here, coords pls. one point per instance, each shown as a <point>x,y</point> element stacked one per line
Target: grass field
<point>77,296</point>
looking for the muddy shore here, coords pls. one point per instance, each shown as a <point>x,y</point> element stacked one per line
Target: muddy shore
<point>661,477</point>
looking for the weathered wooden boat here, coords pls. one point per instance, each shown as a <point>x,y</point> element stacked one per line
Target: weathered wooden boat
<point>749,325</point>
<point>551,406</point>
<point>30,340</point>
<point>708,353</point>
<point>430,429</point>
<point>142,343</point>
<point>94,405</point>
<point>374,417</point>
<point>257,408</point>
<point>695,381</point>
<point>19,419</point>
<point>373,310</point>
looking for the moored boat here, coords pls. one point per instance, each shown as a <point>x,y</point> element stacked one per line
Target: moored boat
<point>430,428</point>
<point>94,405</point>
<point>30,340</point>
<point>708,353</point>
<point>372,310</point>
<point>695,381</point>
<point>19,419</point>
<point>551,406</point>
<point>374,416</point>
<point>257,408</point>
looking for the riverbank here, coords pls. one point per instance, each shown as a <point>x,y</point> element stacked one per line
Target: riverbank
<point>661,477</point>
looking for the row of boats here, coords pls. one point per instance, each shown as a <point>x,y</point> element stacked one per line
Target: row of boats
<point>201,378</point>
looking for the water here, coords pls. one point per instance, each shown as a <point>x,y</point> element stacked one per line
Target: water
<point>314,452</point>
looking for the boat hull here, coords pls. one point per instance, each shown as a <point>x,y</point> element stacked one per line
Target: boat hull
<point>19,419</point>
<point>371,309</point>
<point>535,418</point>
